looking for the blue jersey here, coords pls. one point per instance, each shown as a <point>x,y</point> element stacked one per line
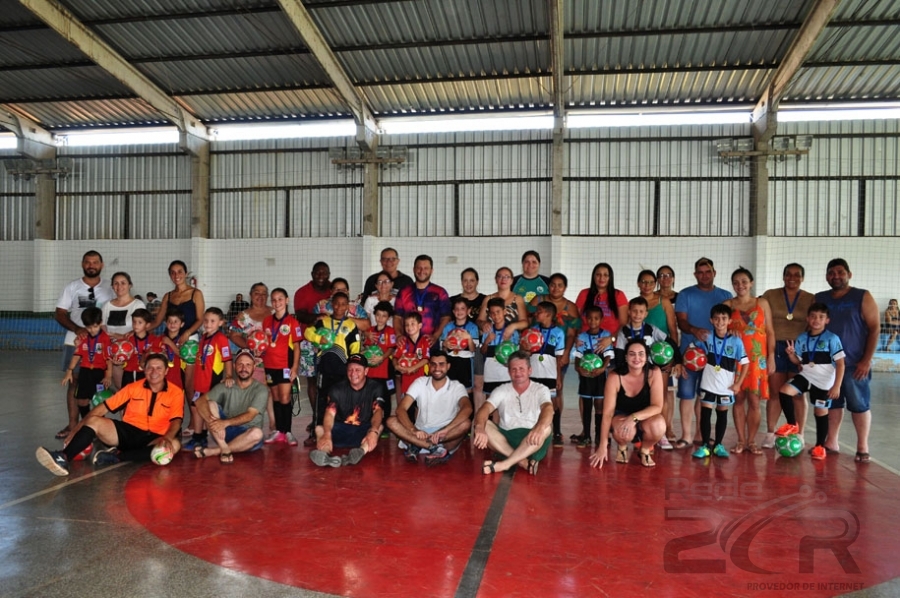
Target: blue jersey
<point>494,371</point>
<point>543,362</point>
<point>588,343</point>
<point>469,327</point>
<point>818,355</point>
<point>723,355</point>
<point>696,304</point>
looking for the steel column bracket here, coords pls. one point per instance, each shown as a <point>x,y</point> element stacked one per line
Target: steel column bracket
<point>33,141</point>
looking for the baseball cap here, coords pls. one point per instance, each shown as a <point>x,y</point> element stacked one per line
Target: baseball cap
<point>358,359</point>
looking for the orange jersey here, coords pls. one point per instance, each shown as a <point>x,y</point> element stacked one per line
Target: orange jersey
<point>148,410</point>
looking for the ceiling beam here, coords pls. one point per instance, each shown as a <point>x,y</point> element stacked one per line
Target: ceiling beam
<point>764,114</point>
<point>72,30</point>
<point>366,126</point>
<point>33,140</point>
<point>557,61</point>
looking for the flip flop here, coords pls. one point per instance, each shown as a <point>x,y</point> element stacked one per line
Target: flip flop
<point>489,465</point>
<point>200,451</point>
<point>862,457</point>
<point>226,458</point>
<point>754,449</point>
<point>63,433</point>
<point>681,443</point>
<point>647,460</point>
<point>533,466</point>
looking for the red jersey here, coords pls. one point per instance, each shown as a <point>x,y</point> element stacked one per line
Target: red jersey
<point>94,351</point>
<point>385,340</point>
<point>417,351</point>
<point>213,353</point>
<point>306,298</point>
<point>283,335</point>
<point>176,365</point>
<point>142,348</point>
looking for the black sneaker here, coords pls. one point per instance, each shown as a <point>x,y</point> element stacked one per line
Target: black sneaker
<point>412,453</point>
<point>106,456</point>
<point>55,461</point>
<point>558,441</point>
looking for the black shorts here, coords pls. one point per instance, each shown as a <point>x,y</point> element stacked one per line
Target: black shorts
<point>90,381</point>
<point>713,400</point>
<point>129,377</point>
<point>461,370</point>
<point>592,388</point>
<point>548,382</point>
<point>490,387</point>
<point>132,437</point>
<point>818,397</point>
<point>347,436</point>
<point>275,376</point>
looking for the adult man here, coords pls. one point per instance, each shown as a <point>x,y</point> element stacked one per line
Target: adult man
<point>443,419</point>
<point>353,417</point>
<point>305,300</point>
<point>855,320</point>
<point>430,300</point>
<point>692,312</point>
<point>153,414</point>
<point>531,283</point>
<point>236,307</point>
<point>390,260</point>
<point>88,291</point>
<point>153,303</point>
<point>234,415</point>
<point>526,415</point>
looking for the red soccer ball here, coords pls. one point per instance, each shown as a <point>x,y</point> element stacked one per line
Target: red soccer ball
<point>694,358</point>
<point>406,361</point>
<point>531,340</point>
<point>258,342</point>
<point>121,351</point>
<point>457,341</point>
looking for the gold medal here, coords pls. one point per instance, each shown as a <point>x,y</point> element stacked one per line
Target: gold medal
<point>790,316</point>
<point>272,345</point>
<point>718,368</point>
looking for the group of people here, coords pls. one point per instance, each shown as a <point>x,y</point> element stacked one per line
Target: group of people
<point>449,363</point>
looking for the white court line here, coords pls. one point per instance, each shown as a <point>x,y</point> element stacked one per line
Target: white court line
<point>63,485</point>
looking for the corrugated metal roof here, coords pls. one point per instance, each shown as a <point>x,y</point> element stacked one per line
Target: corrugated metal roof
<point>46,84</point>
<point>35,46</point>
<point>845,83</point>
<point>265,105</point>
<point>432,96</point>
<point>83,113</point>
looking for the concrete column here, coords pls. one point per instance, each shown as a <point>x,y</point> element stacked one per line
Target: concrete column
<point>200,190</point>
<point>45,207</point>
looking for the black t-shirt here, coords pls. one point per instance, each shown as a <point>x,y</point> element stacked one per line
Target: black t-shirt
<point>474,304</point>
<point>402,281</point>
<point>355,407</point>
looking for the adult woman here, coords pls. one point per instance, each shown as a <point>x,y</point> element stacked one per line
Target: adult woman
<point>603,294</point>
<point>632,405</point>
<point>248,321</point>
<point>531,283</point>
<point>384,291</point>
<point>789,305</point>
<point>469,281</point>
<point>117,315</point>
<point>665,277</point>
<point>186,298</point>
<point>355,312</point>
<point>751,319</point>
<point>891,322</point>
<point>516,312</point>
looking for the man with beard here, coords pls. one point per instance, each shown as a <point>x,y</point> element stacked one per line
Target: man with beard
<point>234,415</point>
<point>430,300</point>
<point>855,320</point>
<point>305,300</point>
<point>88,291</point>
<point>390,262</point>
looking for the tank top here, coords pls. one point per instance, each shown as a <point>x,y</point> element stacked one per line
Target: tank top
<point>657,317</point>
<point>189,309</point>
<point>641,400</point>
<point>847,323</point>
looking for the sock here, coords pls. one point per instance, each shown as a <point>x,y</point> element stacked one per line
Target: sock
<point>787,406</point>
<point>721,425</point>
<point>283,416</point>
<point>821,429</point>
<point>82,439</point>
<point>706,424</point>
<point>586,410</point>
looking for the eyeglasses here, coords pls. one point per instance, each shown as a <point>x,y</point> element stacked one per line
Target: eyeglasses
<point>91,293</point>
<point>504,277</point>
<point>666,276</point>
<point>384,282</point>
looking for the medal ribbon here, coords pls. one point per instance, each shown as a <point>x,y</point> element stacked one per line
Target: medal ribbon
<point>790,305</point>
<point>420,297</point>
<point>203,347</point>
<point>92,348</point>
<point>138,348</point>
<point>716,352</point>
<point>811,342</point>
<point>276,324</point>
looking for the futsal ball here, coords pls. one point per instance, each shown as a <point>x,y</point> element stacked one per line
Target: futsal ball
<point>326,338</point>
<point>121,351</point>
<point>695,358</point>
<point>372,352</point>
<point>188,351</point>
<point>457,341</point>
<point>160,455</point>
<point>100,397</point>
<point>789,446</point>
<point>531,341</point>
<point>406,361</point>
<point>591,362</point>
<point>503,351</point>
<point>661,353</point>
<point>258,342</point>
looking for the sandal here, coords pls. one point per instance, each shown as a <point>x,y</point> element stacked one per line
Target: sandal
<point>490,466</point>
<point>226,458</point>
<point>622,456</point>
<point>647,460</point>
<point>200,451</point>
<point>681,443</point>
<point>754,449</point>
<point>738,448</point>
<point>533,466</point>
<point>862,457</point>
<point>63,433</point>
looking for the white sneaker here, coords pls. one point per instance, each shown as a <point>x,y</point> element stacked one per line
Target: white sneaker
<point>769,442</point>
<point>664,444</point>
<point>290,439</point>
<point>274,437</point>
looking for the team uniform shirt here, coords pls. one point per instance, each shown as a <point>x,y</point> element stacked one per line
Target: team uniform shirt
<point>148,410</point>
<point>696,304</point>
<point>437,407</point>
<point>355,407</point>
<point>385,339</point>
<point>176,365</point>
<point>543,363</point>
<point>589,343</point>
<point>610,320</point>
<point>283,336</point>
<point>494,371</point>
<point>118,319</point>
<point>347,341</point>
<point>818,355</point>
<point>213,353</point>
<point>650,334</point>
<point>529,288</point>
<point>462,362</point>
<point>416,350</point>
<point>142,348</point>
<point>432,302</point>
<point>519,410</point>
<point>237,401</point>
<point>723,355</point>
<point>94,351</point>
<point>76,297</point>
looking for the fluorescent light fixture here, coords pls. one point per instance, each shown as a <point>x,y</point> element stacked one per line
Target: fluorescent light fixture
<point>502,122</point>
<point>142,136</point>
<point>656,119</point>
<point>236,132</point>
<point>839,112</point>
<point>8,142</point>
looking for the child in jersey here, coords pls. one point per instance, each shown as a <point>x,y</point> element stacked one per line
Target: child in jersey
<point>213,365</point>
<point>413,346</point>
<point>144,343</point>
<point>591,384</point>
<point>820,355</point>
<point>495,373</point>
<point>721,379</point>
<point>92,352</point>
<point>180,372</point>
<point>461,350</point>
<point>383,336</point>
<point>545,366</point>
<point>281,362</point>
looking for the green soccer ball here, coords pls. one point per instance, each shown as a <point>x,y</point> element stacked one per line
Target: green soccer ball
<point>789,446</point>
<point>326,338</point>
<point>100,397</point>
<point>503,351</point>
<point>591,362</point>
<point>661,353</point>
<point>188,351</point>
<point>372,352</point>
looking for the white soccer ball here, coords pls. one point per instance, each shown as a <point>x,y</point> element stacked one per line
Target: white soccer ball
<point>160,455</point>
